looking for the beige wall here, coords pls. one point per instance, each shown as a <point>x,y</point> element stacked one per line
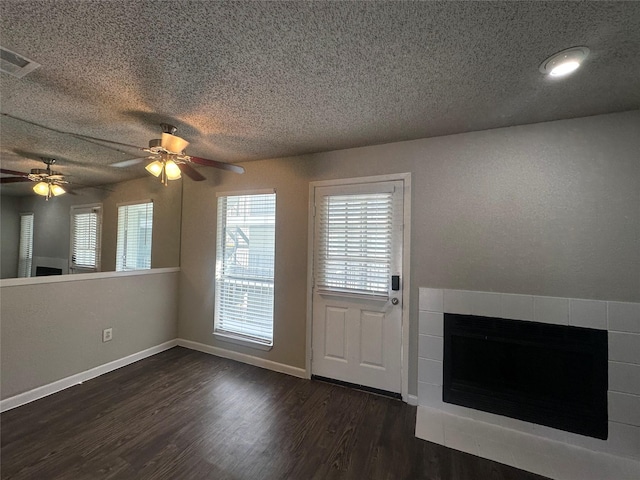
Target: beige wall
<point>290,178</point>
<point>544,209</point>
<point>54,330</point>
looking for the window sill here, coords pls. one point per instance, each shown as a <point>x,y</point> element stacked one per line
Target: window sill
<point>225,337</point>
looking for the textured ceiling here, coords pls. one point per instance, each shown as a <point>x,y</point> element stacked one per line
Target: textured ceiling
<point>253,80</point>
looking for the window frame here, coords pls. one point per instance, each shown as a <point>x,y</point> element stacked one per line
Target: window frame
<point>29,259</point>
<point>221,224</point>
<point>119,255</point>
<point>80,210</point>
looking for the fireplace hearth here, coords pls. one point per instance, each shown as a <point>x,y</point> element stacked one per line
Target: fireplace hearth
<point>553,375</point>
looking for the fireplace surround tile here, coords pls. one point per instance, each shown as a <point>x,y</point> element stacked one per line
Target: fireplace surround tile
<point>621,319</point>
<point>501,452</point>
<point>624,317</point>
<point>624,377</point>
<point>431,323</point>
<point>588,313</point>
<point>458,301</point>
<point>624,347</point>
<point>459,439</point>
<point>486,304</point>
<point>430,371</point>
<point>430,393</point>
<point>430,427</point>
<point>551,310</point>
<point>624,408</point>
<point>625,439</point>
<point>530,461</point>
<point>516,307</point>
<point>430,346</point>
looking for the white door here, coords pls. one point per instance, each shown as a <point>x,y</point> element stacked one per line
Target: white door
<point>357,284</point>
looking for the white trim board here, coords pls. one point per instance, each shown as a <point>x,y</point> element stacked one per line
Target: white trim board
<point>244,358</point>
<point>78,378</point>
<point>83,277</point>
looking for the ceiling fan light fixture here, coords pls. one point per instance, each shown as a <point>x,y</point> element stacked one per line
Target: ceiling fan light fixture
<point>173,143</point>
<point>172,170</point>
<point>57,190</point>
<point>48,190</point>
<point>41,188</point>
<point>165,169</point>
<point>564,62</point>
<point>155,168</point>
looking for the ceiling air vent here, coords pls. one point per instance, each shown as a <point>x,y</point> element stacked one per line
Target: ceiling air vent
<point>15,64</point>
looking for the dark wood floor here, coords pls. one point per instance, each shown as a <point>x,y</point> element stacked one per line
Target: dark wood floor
<point>188,415</point>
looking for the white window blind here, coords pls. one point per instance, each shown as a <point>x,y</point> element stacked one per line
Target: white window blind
<point>86,226</point>
<point>25,250</point>
<point>133,246</point>
<point>245,254</point>
<point>354,244</point>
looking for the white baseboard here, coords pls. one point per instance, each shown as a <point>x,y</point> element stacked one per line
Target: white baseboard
<point>242,357</point>
<point>412,400</point>
<point>46,390</point>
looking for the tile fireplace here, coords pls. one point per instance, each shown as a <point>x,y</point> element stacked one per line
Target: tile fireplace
<point>617,322</point>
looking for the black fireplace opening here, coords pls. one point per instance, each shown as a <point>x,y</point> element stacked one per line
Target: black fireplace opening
<point>553,375</point>
<point>46,271</point>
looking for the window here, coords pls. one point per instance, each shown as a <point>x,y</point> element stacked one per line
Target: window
<point>354,249</point>
<point>245,254</point>
<point>25,250</point>
<point>133,250</point>
<point>86,227</point>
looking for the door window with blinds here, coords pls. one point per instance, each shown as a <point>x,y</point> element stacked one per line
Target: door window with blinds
<point>135,226</point>
<point>25,248</point>
<point>245,254</point>
<point>354,235</point>
<point>86,229</point>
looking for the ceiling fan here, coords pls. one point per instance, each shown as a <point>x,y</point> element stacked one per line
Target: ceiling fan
<point>168,160</point>
<point>49,183</point>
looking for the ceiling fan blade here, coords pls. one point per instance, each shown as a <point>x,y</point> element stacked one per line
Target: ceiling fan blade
<point>76,135</point>
<point>221,165</point>
<point>173,143</point>
<point>13,172</point>
<point>190,172</point>
<point>128,163</point>
<point>14,179</point>
<point>102,141</point>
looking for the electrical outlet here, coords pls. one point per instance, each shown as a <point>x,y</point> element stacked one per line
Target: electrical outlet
<point>107,334</point>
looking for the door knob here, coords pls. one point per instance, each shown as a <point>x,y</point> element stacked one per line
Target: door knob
<point>395,301</point>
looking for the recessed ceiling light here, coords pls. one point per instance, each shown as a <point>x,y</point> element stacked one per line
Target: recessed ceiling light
<point>564,62</point>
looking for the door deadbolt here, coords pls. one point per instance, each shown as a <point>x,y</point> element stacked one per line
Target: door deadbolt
<point>395,301</point>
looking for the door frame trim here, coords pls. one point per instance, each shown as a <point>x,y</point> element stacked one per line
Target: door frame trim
<point>406,273</point>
